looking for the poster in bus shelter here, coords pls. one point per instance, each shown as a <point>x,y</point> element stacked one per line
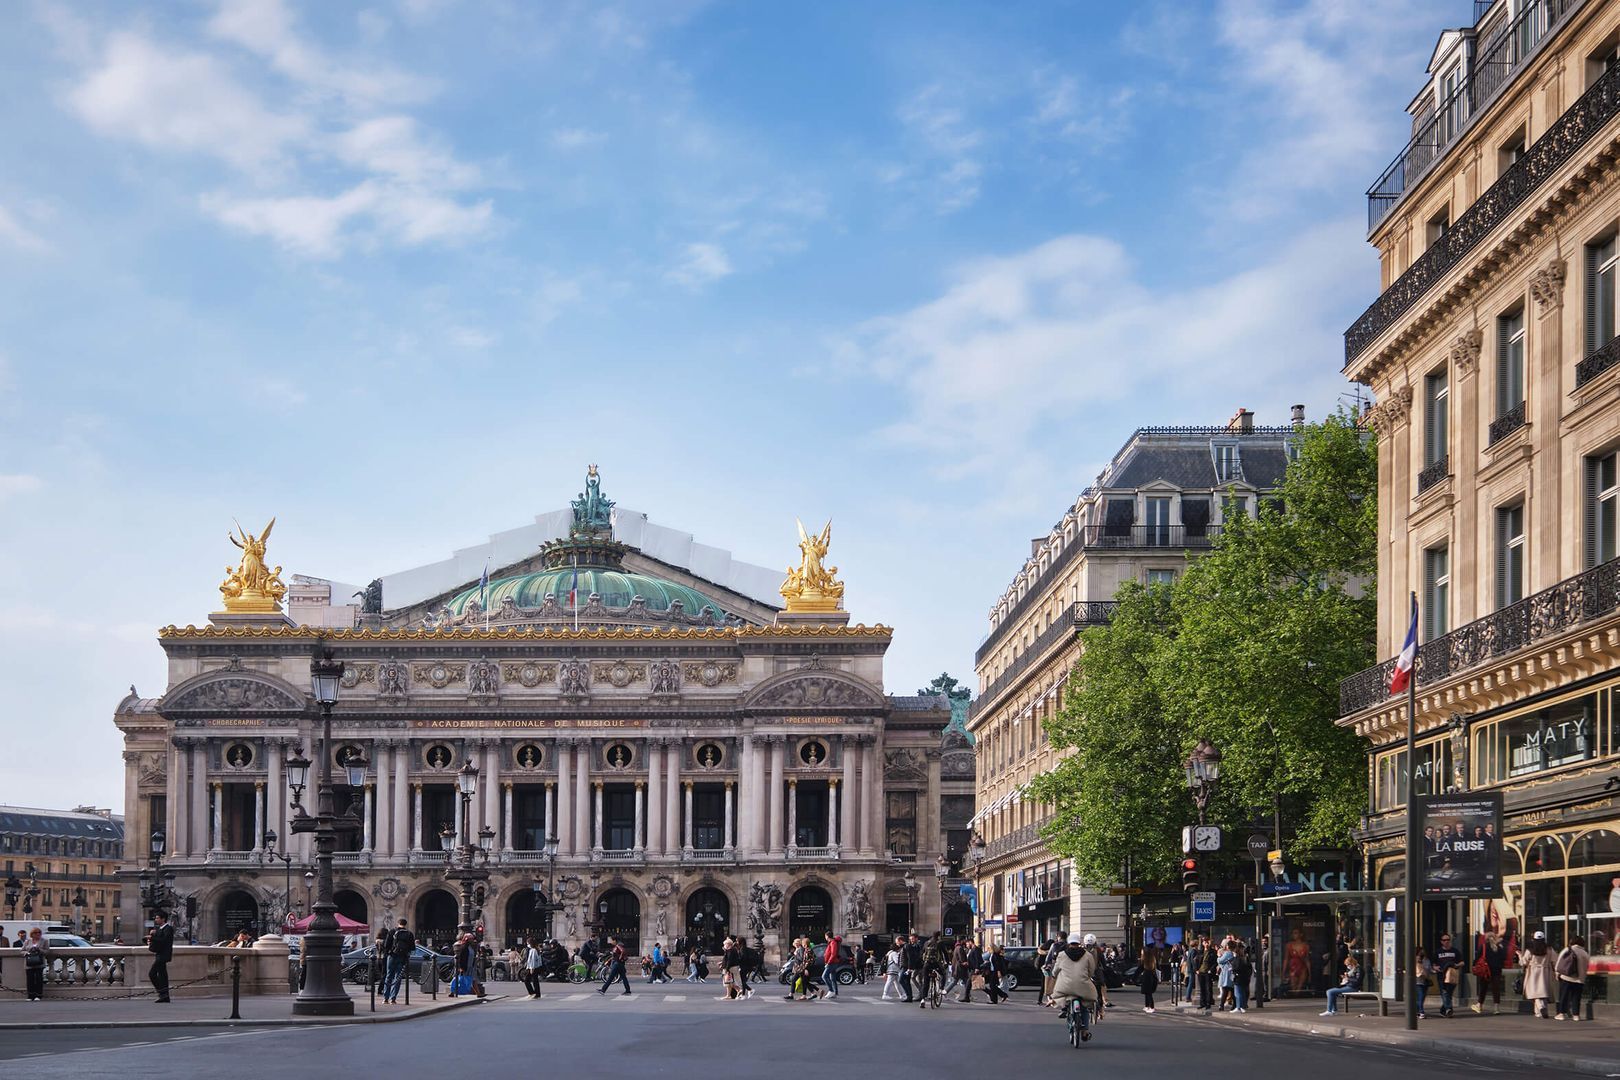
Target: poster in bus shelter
<point>1462,846</point>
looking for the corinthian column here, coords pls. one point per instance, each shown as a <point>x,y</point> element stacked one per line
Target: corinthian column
<point>871,797</point>
<point>365,818</point>
<point>852,829</point>
<point>198,772</point>
<point>672,795</point>
<point>832,814</point>
<point>492,785</point>
<point>506,827</point>
<point>216,838</point>
<point>655,796</point>
<point>775,837</point>
<point>582,797</point>
<point>416,818</point>
<point>686,839</point>
<point>402,798</point>
<point>726,838</point>
<point>745,795</point>
<point>793,816</point>
<point>258,816</point>
<point>640,844</point>
<point>382,837</point>
<point>596,819</point>
<point>565,797</point>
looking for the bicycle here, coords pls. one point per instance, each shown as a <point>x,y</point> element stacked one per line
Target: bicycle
<point>1079,1030</point>
<point>933,993</point>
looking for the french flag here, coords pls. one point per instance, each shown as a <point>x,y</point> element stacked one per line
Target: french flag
<point>573,590</point>
<point>1403,663</point>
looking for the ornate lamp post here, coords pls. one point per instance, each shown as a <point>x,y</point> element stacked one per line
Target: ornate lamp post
<point>1203,774</point>
<point>79,901</point>
<point>31,890</point>
<point>286,860</point>
<point>309,887</point>
<point>322,993</point>
<point>13,893</point>
<point>911,884</point>
<point>975,857</point>
<point>546,902</point>
<point>467,862</point>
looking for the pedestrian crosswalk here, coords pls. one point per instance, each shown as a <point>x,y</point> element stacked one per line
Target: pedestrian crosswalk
<point>766,996</point>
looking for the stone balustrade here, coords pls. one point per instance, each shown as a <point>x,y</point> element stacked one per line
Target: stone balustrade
<point>122,970</point>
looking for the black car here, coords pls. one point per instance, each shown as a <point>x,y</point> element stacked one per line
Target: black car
<point>1023,968</point>
<point>357,963</point>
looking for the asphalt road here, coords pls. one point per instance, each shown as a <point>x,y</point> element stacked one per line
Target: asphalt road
<point>682,1031</point>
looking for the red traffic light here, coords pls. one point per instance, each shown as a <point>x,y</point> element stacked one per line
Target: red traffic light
<point>1189,866</point>
<point>1189,875</point>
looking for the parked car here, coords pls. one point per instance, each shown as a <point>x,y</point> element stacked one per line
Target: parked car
<point>66,941</point>
<point>357,963</point>
<point>1023,968</point>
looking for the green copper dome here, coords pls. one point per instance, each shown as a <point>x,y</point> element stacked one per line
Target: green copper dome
<point>616,587</point>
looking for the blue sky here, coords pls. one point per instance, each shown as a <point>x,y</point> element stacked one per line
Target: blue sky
<point>395,272</point>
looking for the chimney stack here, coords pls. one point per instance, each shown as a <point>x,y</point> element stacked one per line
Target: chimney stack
<point>1299,416</point>
<point>1242,422</point>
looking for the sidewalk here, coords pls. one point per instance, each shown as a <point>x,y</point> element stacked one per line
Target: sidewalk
<point>258,1011</point>
<point>1508,1039</point>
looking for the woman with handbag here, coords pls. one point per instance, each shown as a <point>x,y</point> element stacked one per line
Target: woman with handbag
<point>1571,970</point>
<point>1488,971</point>
<point>465,953</point>
<point>1149,964</point>
<point>36,954</point>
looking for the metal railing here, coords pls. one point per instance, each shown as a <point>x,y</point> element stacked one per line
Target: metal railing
<point>1565,606</point>
<point>1596,364</point>
<point>1433,473</point>
<point>1079,616</point>
<point>1490,67</point>
<point>1561,141</point>
<point>1507,423</point>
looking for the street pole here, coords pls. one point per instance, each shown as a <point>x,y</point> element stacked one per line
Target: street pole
<point>1414,836</point>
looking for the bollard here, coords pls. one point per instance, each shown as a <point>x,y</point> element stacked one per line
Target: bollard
<point>371,977</point>
<point>236,988</point>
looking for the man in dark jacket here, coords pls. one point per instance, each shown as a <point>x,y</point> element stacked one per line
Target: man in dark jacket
<point>616,971</point>
<point>911,966</point>
<point>400,944</point>
<point>161,944</point>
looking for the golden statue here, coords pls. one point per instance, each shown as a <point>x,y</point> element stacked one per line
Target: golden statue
<point>811,586</point>
<point>252,587</point>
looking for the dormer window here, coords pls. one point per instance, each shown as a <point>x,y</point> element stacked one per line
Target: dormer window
<point>1228,463</point>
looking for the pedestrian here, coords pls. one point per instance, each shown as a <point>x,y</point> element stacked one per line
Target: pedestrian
<point>911,966</point>
<point>1048,958</point>
<point>1422,976</point>
<point>160,942</point>
<point>1242,972</point>
<point>397,950</point>
<point>970,960</point>
<point>1571,971</point>
<point>1349,983</point>
<point>995,968</point>
<point>953,969</point>
<point>1149,966</point>
<point>1074,981</point>
<point>660,964</point>
<point>1226,976</point>
<point>731,968</point>
<point>1448,970</point>
<point>1539,977</point>
<point>615,968</point>
<point>830,964</point>
<point>466,958</point>
<point>36,954</point>
<point>891,971</point>
<point>1488,971</point>
<point>862,958</point>
<point>681,949</point>
<point>1178,957</point>
<point>1206,973</point>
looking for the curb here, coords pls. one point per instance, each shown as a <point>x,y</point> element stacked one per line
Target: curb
<point>1477,1053</point>
<point>301,1021</point>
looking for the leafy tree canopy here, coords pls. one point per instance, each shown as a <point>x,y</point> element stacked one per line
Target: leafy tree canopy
<point>1247,649</point>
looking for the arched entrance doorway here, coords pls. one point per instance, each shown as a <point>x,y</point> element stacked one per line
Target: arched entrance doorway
<point>238,910</point>
<point>620,915</point>
<point>436,918</point>
<point>810,913</point>
<point>708,918</point>
<point>351,905</point>
<point>525,917</point>
<point>958,919</point>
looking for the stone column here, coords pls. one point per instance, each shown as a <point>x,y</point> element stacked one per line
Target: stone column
<point>275,795</point>
<point>383,838</point>
<point>416,818</point>
<point>550,816</point>
<point>672,794</point>
<point>366,831</point>
<point>506,825</point>
<point>402,798</point>
<point>1549,372</point>
<point>596,818</point>
<point>198,772</point>
<point>655,796</point>
<point>850,842</point>
<point>174,817</point>
<point>832,814</point>
<point>686,842</point>
<point>565,800</point>
<point>793,815</point>
<point>582,796</point>
<point>258,815</point>
<point>216,835</point>
<point>727,841</point>
<point>640,844</point>
<point>930,814</point>
<point>463,808</point>
<point>776,838</point>
<point>492,786</point>
<point>871,798</point>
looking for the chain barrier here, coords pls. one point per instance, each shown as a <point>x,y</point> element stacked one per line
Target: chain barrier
<point>127,995</point>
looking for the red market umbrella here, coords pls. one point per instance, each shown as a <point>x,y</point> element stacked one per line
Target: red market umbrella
<point>345,925</point>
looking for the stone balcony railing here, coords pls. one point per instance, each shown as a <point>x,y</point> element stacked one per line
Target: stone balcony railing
<point>195,971</point>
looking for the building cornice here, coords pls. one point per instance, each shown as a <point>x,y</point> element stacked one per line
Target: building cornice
<point>313,634</point>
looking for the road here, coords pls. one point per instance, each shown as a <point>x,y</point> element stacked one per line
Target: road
<point>684,1032</point>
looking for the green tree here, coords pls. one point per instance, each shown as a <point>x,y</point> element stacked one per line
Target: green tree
<point>1247,648</point>
<point>945,683</point>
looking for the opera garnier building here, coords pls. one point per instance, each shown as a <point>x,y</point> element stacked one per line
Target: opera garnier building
<point>626,732</point>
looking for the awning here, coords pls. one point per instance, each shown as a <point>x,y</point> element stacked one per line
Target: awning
<point>1333,896</point>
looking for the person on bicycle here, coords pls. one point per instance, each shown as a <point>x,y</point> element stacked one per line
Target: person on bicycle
<point>933,967</point>
<point>1075,973</point>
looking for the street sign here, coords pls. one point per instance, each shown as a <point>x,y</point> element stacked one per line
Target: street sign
<point>1258,845</point>
<point>1281,888</point>
<point>1203,907</point>
<point>1125,890</point>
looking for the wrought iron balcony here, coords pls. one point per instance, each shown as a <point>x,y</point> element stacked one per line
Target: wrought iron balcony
<point>1433,473</point>
<point>1590,113</point>
<point>1552,611</point>
<point>1599,362</point>
<point>1492,67</point>
<point>1080,615</point>
<point>1507,423</point>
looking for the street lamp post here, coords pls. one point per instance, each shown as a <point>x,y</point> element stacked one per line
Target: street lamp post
<point>548,903</point>
<point>911,884</point>
<point>468,862</point>
<point>975,855</point>
<point>30,890</point>
<point>13,893</point>
<point>942,872</point>
<point>1203,774</point>
<point>322,952</point>
<point>79,902</point>
<point>286,860</point>
<point>309,888</point>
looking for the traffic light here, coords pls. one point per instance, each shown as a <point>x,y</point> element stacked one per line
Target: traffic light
<point>1189,874</point>
<point>1249,897</point>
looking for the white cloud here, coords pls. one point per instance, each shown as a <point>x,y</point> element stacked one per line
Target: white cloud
<point>171,99</point>
<point>700,265</point>
<point>471,337</point>
<point>18,484</point>
<point>949,141</point>
<point>325,226</point>
<point>17,234</point>
<point>574,138</point>
<point>391,146</point>
<point>1029,342</point>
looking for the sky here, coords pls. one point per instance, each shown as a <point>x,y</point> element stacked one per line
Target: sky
<point>395,272</point>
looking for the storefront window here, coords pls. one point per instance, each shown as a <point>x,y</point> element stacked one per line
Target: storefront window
<point>1594,907</point>
<point>1544,909</point>
<point>1434,765</point>
<point>1532,742</point>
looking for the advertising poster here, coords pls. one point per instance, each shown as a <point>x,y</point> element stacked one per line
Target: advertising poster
<point>1462,846</point>
<point>1301,955</point>
<point>1389,963</point>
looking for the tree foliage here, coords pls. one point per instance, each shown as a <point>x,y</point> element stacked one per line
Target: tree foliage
<point>1247,649</point>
